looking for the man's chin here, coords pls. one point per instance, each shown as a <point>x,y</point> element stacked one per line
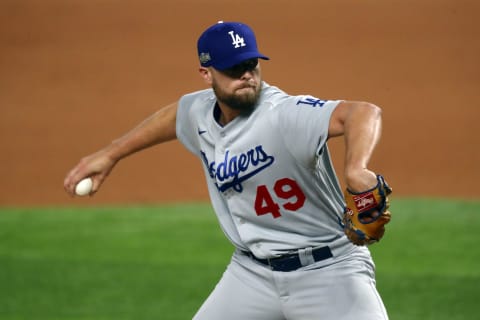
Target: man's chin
<point>243,103</point>
<point>243,99</point>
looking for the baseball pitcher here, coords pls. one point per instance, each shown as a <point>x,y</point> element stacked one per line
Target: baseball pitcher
<point>301,243</point>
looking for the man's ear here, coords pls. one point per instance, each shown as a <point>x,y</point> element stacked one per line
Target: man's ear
<point>206,75</point>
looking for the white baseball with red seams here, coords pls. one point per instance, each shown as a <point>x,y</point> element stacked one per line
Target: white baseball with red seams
<point>84,187</point>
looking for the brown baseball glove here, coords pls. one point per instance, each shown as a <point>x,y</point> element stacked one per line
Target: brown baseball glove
<point>366,213</point>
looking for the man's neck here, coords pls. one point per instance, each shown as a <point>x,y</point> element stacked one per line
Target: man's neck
<point>225,114</point>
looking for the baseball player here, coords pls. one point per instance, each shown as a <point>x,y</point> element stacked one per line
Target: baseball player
<point>300,242</point>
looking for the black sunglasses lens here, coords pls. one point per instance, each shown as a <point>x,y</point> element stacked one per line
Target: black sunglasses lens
<point>249,65</point>
<point>239,69</point>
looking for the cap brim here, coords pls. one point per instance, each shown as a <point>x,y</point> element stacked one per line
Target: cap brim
<point>238,59</point>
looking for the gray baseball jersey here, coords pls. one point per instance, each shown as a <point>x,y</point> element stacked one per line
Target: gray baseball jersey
<point>269,174</point>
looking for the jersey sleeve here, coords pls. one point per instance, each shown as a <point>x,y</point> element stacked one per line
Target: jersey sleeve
<point>303,122</point>
<point>185,126</point>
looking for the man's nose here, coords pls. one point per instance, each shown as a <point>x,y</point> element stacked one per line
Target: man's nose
<point>247,75</point>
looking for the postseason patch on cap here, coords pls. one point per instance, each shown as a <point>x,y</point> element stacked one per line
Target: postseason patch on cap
<point>204,57</point>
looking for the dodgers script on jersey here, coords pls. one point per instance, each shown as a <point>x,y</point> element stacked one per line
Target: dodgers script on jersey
<point>284,178</point>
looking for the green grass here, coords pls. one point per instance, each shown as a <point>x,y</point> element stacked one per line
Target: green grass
<point>428,265</point>
<point>162,262</point>
<point>109,263</point>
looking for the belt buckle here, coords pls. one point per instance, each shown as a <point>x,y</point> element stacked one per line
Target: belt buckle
<point>269,261</point>
<point>287,262</point>
<point>270,264</point>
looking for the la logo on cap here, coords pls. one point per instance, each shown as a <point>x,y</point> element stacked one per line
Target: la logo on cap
<point>237,40</point>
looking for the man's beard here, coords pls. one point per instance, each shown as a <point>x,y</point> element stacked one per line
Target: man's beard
<point>244,102</point>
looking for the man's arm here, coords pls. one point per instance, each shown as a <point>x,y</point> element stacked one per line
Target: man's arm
<point>360,123</point>
<point>158,128</point>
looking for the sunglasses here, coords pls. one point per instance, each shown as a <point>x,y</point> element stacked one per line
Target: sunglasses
<point>239,69</point>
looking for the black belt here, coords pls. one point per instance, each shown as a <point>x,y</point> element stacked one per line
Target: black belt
<point>290,262</point>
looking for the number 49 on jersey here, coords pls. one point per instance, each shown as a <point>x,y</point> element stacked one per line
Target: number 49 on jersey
<point>288,193</point>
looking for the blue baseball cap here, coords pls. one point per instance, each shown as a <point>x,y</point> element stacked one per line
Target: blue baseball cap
<point>226,44</point>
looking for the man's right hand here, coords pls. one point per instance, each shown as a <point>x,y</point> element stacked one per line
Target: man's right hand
<point>96,166</point>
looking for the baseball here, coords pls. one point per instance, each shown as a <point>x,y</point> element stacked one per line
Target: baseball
<point>84,187</point>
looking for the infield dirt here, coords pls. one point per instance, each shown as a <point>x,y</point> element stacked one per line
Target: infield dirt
<point>75,75</point>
